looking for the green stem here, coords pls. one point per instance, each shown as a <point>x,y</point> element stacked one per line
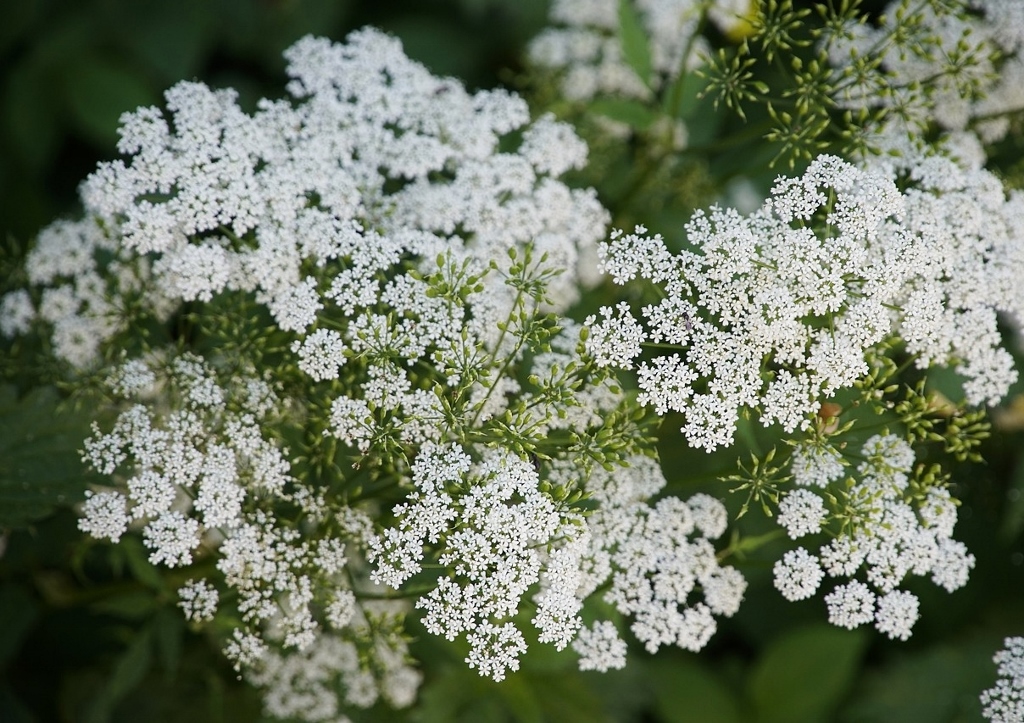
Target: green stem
<point>740,547</point>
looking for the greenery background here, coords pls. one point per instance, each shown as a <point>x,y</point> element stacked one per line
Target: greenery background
<point>90,632</point>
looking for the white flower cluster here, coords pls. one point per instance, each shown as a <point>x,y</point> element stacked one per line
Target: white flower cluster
<point>1005,702</point>
<point>370,664</point>
<point>891,531</point>
<point>203,456</point>
<point>198,475</point>
<point>656,563</point>
<point>494,536</point>
<point>406,241</point>
<point>369,266</point>
<point>499,536</point>
<point>586,44</point>
<point>304,205</point>
<point>80,299</point>
<point>772,313</point>
<point>956,64</point>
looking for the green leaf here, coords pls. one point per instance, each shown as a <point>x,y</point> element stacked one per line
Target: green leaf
<point>678,682</point>
<point>129,670</point>
<point>131,667</point>
<point>32,102</point>
<point>683,99</point>
<point>804,675</point>
<point>947,382</point>
<point>168,638</point>
<point>171,37</point>
<point>137,558</point>
<point>459,694</point>
<point>456,696</point>
<point>631,112</point>
<point>520,699</point>
<point>40,468</point>
<point>30,117</point>
<point>636,51</point>
<point>134,605</point>
<point>937,683</point>
<point>18,611</point>
<point>437,44</point>
<point>19,19</point>
<point>98,91</point>
<point>566,698</point>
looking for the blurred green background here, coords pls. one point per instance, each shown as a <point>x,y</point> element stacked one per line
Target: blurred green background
<point>90,633</point>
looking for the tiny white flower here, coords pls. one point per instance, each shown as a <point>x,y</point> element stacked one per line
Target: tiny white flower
<point>600,647</point>
<point>797,574</point>
<point>850,605</point>
<point>104,515</point>
<point>897,613</point>
<point>801,512</point>
<point>199,600</point>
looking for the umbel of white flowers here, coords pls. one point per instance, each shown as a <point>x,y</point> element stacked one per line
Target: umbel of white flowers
<point>835,263</point>
<point>1004,703</point>
<point>373,393</point>
<point>370,269</point>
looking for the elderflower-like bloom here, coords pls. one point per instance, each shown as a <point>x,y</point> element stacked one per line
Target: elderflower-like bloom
<point>884,527</point>
<point>851,605</point>
<point>365,387</point>
<point>816,465</point>
<point>374,159</point>
<point>778,311</point>
<point>355,401</point>
<point>801,512</point>
<point>305,684</point>
<point>198,600</point>
<point>657,562</point>
<point>500,536</point>
<point>798,574</point>
<point>204,474</point>
<point>600,647</point>
<point>1004,703</point>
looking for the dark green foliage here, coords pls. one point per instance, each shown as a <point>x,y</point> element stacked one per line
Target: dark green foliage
<point>39,464</point>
